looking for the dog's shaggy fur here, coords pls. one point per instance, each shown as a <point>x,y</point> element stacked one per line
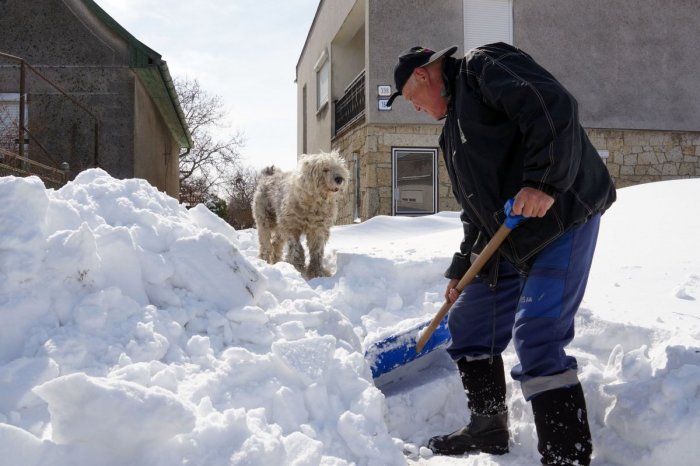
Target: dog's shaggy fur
<point>287,205</point>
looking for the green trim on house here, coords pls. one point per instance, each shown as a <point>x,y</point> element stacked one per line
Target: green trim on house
<point>156,83</point>
<point>153,72</point>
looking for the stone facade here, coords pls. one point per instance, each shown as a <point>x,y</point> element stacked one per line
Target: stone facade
<point>633,157</point>
<point>118,81</point>
<point>636,156</point>
<point>372,145</point>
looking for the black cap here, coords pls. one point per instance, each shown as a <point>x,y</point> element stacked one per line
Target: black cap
<point>413,58</point>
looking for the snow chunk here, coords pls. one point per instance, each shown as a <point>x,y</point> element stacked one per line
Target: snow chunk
<point>113,414</point>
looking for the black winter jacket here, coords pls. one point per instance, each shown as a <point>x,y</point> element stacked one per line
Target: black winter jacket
<point>511,124</point>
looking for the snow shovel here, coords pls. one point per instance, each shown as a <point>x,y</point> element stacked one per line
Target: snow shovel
<point>398,350</point>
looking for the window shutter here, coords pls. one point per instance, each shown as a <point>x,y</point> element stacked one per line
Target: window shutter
<point>487,21</point>
<point>322,68</point>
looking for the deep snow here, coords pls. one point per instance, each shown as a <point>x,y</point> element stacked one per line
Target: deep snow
<point>135,332</point>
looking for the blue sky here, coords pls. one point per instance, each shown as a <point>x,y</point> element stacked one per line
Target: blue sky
<point>243,50</point>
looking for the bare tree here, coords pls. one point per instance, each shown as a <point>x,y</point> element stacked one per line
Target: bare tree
<point>205,165</point>
<point>193,191</point>
<point>240,190</point>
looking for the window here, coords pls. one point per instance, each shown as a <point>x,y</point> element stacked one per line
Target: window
<point>414,181</point>
<point>322,69</point>
<point>9,121</point>
<point>487,21</point>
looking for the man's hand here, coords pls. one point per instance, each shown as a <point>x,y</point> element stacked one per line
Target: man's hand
<point>531,202</point>
<point>451,294</point>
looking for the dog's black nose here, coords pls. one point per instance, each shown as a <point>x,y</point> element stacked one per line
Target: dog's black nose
<point>338,179</point>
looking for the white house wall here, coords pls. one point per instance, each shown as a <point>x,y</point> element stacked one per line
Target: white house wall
<point>396,25</point>
<point>330,16</point>
<point>631,64</point>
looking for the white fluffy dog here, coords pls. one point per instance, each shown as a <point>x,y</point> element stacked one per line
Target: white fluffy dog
<point>287,205</point>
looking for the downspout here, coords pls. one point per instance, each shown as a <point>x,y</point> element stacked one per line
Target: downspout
<point>22,99</point>
<point>356,173</point>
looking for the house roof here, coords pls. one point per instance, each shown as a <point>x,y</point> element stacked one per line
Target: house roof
<point>153,71</point>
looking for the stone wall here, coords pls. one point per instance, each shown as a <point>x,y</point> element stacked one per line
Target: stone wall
<point>373,145</point>
<point>87,57</point>
<point>636,157</point>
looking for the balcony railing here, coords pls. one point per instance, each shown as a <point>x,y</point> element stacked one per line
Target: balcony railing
<point>351,107</point>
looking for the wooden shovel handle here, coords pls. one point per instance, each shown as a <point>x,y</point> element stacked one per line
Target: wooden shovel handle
<point>477,265</point>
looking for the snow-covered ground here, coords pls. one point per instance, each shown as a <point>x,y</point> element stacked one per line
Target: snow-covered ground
<point>135,332</point>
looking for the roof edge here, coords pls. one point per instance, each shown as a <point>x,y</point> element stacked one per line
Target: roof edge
<point>142,56</point>
<point>172,92</point>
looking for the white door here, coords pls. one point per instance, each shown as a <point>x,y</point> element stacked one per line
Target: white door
<point>487,21</point>
<point>414,181</point>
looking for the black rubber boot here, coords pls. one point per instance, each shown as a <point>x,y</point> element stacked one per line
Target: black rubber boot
<point>564,437</point>
<point>487,434</point>
<point>485,384</point>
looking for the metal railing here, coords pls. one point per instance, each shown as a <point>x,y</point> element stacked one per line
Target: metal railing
<point>351,107</point>
<point>16,165</point>
<point>22,165</point>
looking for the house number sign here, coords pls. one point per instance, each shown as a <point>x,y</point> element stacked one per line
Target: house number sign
<point>384,91</point>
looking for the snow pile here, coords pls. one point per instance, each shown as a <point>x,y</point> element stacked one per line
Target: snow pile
<point>133,331</point>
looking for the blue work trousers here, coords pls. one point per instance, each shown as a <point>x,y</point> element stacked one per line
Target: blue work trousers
<point>536,311</point>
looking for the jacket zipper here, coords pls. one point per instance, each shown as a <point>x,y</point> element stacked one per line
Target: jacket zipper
<point>466,197</point>
<point>458,177</point>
